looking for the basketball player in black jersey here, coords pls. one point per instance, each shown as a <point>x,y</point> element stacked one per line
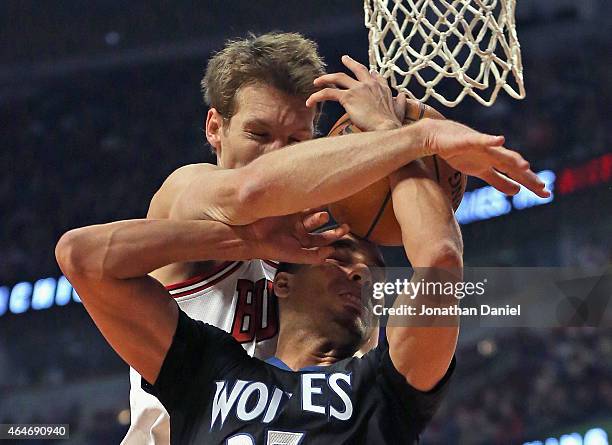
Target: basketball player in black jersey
<point>313,391</point>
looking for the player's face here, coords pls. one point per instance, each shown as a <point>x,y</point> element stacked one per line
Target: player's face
<point>336,295</point>
<point>265,120</point>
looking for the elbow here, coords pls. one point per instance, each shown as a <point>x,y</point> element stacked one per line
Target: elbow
<point>67,252</point>
<point>427,380</point>
<point>76,255</point>
<point>441,260</point>
<point>423,355</point>
<point>447,255</point>
<point>250,195</point>
<point>234,200</point>
<point>442,254</point>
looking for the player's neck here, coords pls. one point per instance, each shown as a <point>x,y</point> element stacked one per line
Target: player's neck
<point>301,347</point>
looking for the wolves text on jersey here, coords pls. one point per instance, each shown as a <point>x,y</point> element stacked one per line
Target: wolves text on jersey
<point>324,394</point>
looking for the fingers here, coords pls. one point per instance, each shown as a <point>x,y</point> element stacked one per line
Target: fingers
<point>309,256</point>
<point>510,183</point>
<point>506,160</point>
<point>530,180</point>
<point>501,182</point>
<point>341,80</point>
<point>318,254</point>
<point>323,95</point>
<point>514,166</point>
<point>378,78</point>
<point>400,106</point>
<point>314,220</point>
<point>360,71</point>
<point>326,237</point>
<point>491,141</point>
<point>322,253</point>
<point>316,246</point>
<point>480,139</point>
<point>383,83</point>
<point>322,208</point>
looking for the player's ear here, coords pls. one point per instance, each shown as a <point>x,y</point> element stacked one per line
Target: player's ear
<point>214,127</point>
<point>282,284</point>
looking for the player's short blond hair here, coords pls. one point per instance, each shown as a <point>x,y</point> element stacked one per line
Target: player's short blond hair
<point>288,62</point>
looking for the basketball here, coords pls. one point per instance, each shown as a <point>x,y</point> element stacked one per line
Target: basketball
<point>369,213</point>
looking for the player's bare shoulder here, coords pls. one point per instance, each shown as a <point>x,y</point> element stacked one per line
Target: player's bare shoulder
<point>179,179</point>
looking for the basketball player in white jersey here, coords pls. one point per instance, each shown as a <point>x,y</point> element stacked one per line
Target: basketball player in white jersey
<point>257,90</point>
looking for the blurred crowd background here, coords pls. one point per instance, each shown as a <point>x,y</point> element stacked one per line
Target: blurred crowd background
<point>98,105</point>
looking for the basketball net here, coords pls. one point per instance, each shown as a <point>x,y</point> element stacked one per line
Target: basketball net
<point>416,44</point>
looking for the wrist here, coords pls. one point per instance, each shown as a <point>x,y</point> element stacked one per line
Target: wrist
<point>244,242</point>
<point>388,125</point>
<point>417,140</point>
<point>221,241</point>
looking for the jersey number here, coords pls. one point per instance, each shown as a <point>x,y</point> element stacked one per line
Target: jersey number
<point>273,438</point>
<point>256,313</point>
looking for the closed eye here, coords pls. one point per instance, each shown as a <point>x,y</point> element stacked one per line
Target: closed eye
<point>338,261</point>
<point>257,135</point>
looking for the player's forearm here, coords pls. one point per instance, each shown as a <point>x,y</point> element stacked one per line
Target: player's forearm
<point>421,346</point>
<point>423,343</point>
<point>129,249</point>
<point>321,171</point>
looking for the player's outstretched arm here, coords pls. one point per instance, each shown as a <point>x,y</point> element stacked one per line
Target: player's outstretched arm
<point>433,244</point>
<point>314,173</point>
<point>305,175</point>
<point>108,266</point>
<point>317,172</point>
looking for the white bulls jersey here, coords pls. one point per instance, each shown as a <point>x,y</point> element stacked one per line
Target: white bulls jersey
<point>236,297</point>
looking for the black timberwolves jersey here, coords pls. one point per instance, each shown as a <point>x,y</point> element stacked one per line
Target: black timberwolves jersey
<point>216,393</point>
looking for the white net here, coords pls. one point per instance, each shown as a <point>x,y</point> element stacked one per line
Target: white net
<point>419,44</point>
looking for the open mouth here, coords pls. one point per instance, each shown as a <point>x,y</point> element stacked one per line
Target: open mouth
<point>353,302</point>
